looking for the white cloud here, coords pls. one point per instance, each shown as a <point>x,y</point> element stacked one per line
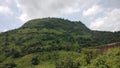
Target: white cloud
<point>5,10</point>
<point>101,15</point>
<point>5,2</point>
<point>70,10</point>
<point>111,21</point>
<point>23,17</point>
<point>50,8</point>
<point>5,30</point>
<point>95,9</point>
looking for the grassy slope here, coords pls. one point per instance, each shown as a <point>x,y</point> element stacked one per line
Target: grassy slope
<point>111,56</point>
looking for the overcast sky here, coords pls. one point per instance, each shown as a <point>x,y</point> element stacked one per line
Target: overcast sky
<point>96,14</point>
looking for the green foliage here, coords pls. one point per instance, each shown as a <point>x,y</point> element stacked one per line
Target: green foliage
<point>57,42</point>
<point>100,62</point>
<point>35,61</point>
<point>9,65</point>
<point>67,60</point>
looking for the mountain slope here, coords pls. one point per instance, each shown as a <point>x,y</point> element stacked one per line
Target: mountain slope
<point>54,34</point>
<point>50,35</point>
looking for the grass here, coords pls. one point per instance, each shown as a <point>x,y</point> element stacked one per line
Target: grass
<point>46,65</point>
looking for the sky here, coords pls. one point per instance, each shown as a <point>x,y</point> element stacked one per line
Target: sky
<point>102,15</point>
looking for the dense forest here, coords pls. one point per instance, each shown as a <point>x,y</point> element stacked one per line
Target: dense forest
<point>58,43</point>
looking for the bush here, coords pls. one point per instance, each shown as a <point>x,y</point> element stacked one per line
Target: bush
<point>9,65</point>
<point>35,61</point>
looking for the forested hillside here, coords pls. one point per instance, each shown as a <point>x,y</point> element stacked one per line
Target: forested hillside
<point>57,43</point>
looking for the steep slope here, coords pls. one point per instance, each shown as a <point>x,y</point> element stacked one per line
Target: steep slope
<point>49,35</point>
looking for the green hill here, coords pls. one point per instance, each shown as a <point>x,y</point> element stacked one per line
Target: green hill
<point>42,42</point>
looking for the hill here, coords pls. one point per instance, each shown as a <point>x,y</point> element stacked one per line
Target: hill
<point>43,41</point>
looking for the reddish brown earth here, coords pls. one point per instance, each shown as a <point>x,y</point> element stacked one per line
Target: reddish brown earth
<point>106,47</point>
